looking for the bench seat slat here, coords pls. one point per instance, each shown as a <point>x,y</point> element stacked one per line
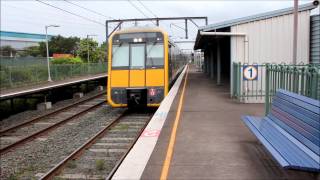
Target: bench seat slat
<point>297,135</point>
<point>308,117</point>
<point>248,121</point>
<point>296,142</point>
<point>298,119</point>
<point>293,154</point>
<point>298,102</point>
<point>300,97</point>
<point>284,151</point>
<point>281,119</point>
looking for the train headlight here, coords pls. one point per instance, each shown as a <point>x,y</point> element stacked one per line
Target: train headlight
<point>140,40</point>
<point>135,40</point>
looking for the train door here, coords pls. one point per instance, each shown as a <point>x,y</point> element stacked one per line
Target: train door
<point>137,92</point>
<point>137,71</point>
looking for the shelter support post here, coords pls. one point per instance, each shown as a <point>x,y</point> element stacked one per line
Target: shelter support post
<point>218,64</point>
<point>205,64</point>
<point>212,64</point>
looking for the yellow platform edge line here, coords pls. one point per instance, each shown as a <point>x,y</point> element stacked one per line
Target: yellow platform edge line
<point>167,161</point>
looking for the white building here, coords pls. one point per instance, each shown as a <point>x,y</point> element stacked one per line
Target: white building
<point>258,39</point>
<point>19,40</point>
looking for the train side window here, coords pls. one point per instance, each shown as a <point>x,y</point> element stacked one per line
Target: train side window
<point>155,55</point>
<point>120,56</point>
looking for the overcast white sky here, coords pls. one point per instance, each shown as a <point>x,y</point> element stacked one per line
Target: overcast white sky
<point>31,16</point>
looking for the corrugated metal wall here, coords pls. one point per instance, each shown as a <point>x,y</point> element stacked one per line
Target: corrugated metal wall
<point>315,39</point>
<point>271,40</point>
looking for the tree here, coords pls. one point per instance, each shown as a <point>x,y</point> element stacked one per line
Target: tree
<point>7,51</point>
<point>60,44</point>
<point>94,50</point>
<point>103,51</point>
<point>31,51</point>
<point>57,44</point>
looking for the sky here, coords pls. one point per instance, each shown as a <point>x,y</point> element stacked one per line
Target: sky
<point>31,16</point>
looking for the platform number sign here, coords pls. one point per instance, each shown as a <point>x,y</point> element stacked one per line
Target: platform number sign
<point>250,72</point>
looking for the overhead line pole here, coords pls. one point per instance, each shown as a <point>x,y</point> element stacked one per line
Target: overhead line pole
<point>186,27</point>
<point>157,19</point>
<point>161,19</point>
<point>295,32</point>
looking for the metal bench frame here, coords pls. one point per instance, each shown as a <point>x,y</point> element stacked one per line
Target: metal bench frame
<point>291,131</point>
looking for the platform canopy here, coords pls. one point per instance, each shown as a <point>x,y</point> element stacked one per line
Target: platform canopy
<point>225,26</point>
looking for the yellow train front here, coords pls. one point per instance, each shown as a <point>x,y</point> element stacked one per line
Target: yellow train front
<point>142,65</point>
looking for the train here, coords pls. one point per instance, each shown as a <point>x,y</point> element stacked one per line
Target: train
<point>142,65</point>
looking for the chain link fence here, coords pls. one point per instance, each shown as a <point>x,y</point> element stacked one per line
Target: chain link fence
<point>22,61</point>
<point>19,72</point>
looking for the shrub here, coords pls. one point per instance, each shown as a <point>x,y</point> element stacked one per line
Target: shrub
<point>100,164</point>
<point>72,164</point>
<point>76,60</point>
<point>13,177</point>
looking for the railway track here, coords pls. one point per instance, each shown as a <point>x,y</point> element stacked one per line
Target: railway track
<point>101,155</point>
<point>17,135</point>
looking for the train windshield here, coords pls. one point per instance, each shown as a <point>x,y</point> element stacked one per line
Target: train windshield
<point>120,55</point>
<point>138,50</point>
<point>155,55</point>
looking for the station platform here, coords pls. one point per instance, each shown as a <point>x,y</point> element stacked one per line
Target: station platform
<point>202,137</point>
<point>20,91</point>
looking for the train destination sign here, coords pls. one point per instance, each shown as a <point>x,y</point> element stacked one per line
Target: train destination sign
<point>250,72</point>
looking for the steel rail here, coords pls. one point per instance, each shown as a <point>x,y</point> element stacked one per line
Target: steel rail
<point>34,135</point>
<point>56,169</point>
<point>48,114</point>
<point>115,168</point>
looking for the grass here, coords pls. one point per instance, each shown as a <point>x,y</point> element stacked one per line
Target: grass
<point>57,178</point>
<point>71,164</point>
<point>100,165</point>
<point>13,177</point>
<point>122,127</point>
<point>26,172</point>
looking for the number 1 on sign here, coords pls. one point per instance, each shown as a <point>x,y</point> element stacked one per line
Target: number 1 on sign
<point>250,70</point>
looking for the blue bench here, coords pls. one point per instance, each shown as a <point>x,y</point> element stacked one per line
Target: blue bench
<point>291,131</point>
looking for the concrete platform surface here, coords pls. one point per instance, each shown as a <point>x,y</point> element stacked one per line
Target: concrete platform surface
<point>212,142</point>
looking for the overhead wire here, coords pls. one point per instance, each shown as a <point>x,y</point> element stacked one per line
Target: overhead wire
<point>147,9</point>
<point>90,10</point>
<point>88,19</point>
<point>138,9</point>
<point>45,17</point>
<point>151,12</point>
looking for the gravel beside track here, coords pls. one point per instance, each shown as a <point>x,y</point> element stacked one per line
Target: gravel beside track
<point>102,156</point>
<point>12,138</point>
<point>30,114</point>
<point>39,156</point>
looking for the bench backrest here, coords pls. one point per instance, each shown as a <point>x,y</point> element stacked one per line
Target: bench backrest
<point>299,116</point>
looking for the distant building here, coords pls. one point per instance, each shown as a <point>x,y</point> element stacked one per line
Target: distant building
<point>19,40</point>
